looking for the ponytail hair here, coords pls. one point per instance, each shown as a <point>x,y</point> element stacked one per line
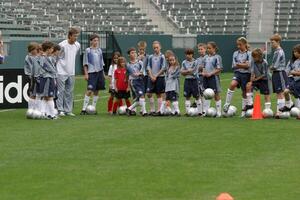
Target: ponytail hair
<point>245,42</point>
<point>214,45</point>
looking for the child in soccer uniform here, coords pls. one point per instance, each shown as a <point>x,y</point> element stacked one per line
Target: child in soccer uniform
<point>111,71</point>
<point>143,56</point>
<point>47,81</point>
<point>190,70</point>
<point>172,84</point>
<point>200,61</point>
<point>212,68</point>
<point>293,86</point>
<point>241,67</point>
<point>32,71</point>
<point>278,67</point>
<point>122,90</point>
<point>135,73</point>
<point>156,81</point>
<point>259,79</point>
<point>1,52</point>
<point>94,72</point>
<point>54,60</point>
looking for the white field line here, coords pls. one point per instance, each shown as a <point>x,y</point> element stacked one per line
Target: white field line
<point>7,110</point>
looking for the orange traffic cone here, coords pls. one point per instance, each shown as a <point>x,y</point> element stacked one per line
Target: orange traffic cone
<point>224,196</point>
<point>257,114</point>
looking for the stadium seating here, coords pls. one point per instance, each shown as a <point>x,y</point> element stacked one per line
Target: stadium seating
<point>287,21</point>
<point>207,16</point>
<point>98,15</point>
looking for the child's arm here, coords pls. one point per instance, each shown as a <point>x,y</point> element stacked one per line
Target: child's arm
<point>295,72</point>
<point>85,65</point>
<point>115,83</point>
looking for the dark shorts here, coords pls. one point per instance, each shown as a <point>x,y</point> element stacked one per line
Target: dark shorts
<point>262,86</point>
<point>200,85</point>
<point>96,81</point>
<point>46,87</point>
<point>145,78</point>
<point>294,87</point>
<point>171,96</point>
<point>112,92</point>
<point>242,79</point>
<point>279,81</point>
<point>32,89</point>
<point>156,87</point>
<point>137,87</point>
<point>212,82</point>
<point>122,94</point>
<point>191,88</point>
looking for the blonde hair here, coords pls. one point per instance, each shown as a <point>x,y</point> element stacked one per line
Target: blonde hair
<point>142,44</point>
<point>244,41</point>
<point>276,37</point>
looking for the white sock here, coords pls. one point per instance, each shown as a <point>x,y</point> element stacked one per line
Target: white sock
<point>206,105</point>
<point>151,103</point>
<point>95,99</point>
<point>31,103</point>
<point>244,103</point>
<point>219,107</point>
<point>176,106</point>
<point>229,96</point>
<point>288,103</point>
<point>162,107</point>
<point>280,104</point>
<point>268,105</point>
<point>297,103</point>
<point>143,105</point>
<point>50,108</point>
<point>249,98</point>
<point>187,105</point>
<point>85,102</point>
<point>159,102</point>
<point>203,102</point>
<point>38,104</point>
<point>199,106</point>
<point>134,105</point>
<point>44,107</point>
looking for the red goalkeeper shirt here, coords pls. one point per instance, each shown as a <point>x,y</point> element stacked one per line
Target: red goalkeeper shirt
<point>121,79</point>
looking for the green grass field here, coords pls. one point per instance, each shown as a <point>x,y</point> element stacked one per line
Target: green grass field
<point>127,158</point>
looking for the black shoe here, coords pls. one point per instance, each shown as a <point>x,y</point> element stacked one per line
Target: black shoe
<point>285,109</point>
<point>128,112</point>
<point>247,107</point>
<point>194,105</point>
<point>83,112</point>
<point>114,113</point>
<point>144,114</point>
<point>133,113</point>
<point>157,114</point>
<point>176,114</point>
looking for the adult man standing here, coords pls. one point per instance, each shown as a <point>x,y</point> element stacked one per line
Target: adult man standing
<point>66,72</point>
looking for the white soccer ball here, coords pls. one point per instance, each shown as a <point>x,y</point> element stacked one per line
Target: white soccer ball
<point>232,110</point>
<point>29,113</point>
<point>249,113</point>
<point>36,114</point>
<point>295,112</point>
<point>193,112</point>
<point>91,110</point>
<point>208,93</point>
<point>168,110</point>
<point>284,115</point>
<point>211,112</point>
<point>268,113</point>
<point>122,110</point>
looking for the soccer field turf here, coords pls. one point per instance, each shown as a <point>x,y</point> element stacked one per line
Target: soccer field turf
<point>105,157</point>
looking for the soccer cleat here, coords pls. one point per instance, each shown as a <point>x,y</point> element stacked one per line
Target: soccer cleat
<point>70,114</point>
<point>247,107</point>
<point>226,107</point>
<point>285,109</point>
<point>219,115</point>
<point>176,114</point>
<point>61,113</point>
<point>133,113</point>
<point>145,114</point>
<point>83,112</point>
<point>128,112</point>
<point>243,113</point>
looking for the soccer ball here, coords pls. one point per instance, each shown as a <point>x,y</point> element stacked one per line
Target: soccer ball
<point>248,113</point>
<point>29,113</point>
<point>208,93</point>
<point>284,115</point>
<point>36,114</point>
<point>211,112</point>
<point>193,112</point>
<point>91,110</point>
<point>295,112</point>
<point>232,110</point>
<point>268,113</point>
<point>122,110</point>
<point>168,110</point>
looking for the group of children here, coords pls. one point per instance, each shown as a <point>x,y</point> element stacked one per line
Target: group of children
<point>144,76</point>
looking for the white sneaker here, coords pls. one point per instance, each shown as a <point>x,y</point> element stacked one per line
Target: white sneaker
<point>70,114</point>
<point>243,114</point>
<point>61,114</point>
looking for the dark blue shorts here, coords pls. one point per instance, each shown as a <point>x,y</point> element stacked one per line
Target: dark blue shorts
<point>32,89</point>
<point>156,87</point>
<point>294,87</point>
<point>279,81</point>
<point>200,85</point>
<point>191,88</point>
<point>145,78</point>
<point>122,94</point>
<point>262,86</point>
<point>137,87</point>
<point>96,81</point>
<point>242,79</point>
<point>171,96</point>
<point>212,82</point>
<point>46,87</point>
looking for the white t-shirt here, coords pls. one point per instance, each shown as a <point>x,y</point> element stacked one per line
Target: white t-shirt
<point>111,73</point>
<point>66,61</point>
